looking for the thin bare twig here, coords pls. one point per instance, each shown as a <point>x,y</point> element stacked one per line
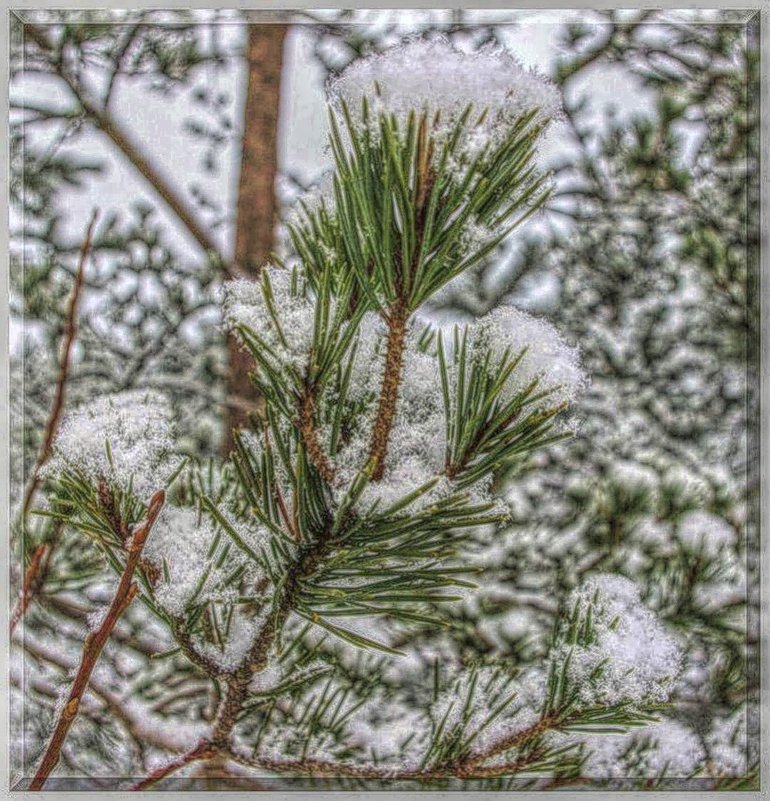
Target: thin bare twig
<point>70,333</point>
<point>141,727</point>
<point>108,700</point>
<point>33,576</point>
<point>95,641</point>
<point>122,139</point>
<point>30,584</point>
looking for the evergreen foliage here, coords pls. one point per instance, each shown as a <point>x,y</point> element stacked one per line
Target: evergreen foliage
<point>338,601</point>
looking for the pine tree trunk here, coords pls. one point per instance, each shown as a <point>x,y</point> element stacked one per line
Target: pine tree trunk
<point>256,209</point>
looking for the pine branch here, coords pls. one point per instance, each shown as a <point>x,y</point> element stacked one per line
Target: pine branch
<point>257,658</point>
<point>317,768</point>
<point>237,682</point>
<point>470,767</point>
<point>95,642</point>
<point>399,313</point>
<point>513,741</point>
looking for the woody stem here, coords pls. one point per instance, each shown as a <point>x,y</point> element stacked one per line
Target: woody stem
<point>391,380</point>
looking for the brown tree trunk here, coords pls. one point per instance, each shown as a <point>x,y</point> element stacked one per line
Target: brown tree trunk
<point>256,209</point>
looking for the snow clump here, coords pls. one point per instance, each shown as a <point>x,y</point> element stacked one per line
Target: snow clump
<point>629,658</point>
<point>125,439</point>
<point>179,543</point>
<point>432,76</point>
<point>276,309</point>
<point>547,356</point>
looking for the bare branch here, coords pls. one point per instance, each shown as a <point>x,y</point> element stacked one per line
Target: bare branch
<point>42,556</point>
<point>95,641</point>
<point>133,152</point>
<point>70,332</point>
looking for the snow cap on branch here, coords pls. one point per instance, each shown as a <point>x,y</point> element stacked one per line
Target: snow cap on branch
<point>246,303</point>
<point>630,657</point>
<point>432,75</point>
<point>124,438</point>
<point>547,356</point>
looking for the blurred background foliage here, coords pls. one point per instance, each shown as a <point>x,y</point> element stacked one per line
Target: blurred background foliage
<point>646,257</point>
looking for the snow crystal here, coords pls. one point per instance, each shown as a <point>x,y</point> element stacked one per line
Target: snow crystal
<point>547,357</point>
<point>639,661</point>
<point>431,75</point>
<point>124,438</point>
<point>245,304</point>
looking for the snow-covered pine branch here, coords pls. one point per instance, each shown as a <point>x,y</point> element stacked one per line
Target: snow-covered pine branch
<point>348,505</point>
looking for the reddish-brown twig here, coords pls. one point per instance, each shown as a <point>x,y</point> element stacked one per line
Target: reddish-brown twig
<point>391,381</point>
<point>204,750</point>
<point>70,332</point>
<point>29,585</point>
<point>468,767</point>
<point>95,641</point>
<point>309,433</point>
<point>33,576</point>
